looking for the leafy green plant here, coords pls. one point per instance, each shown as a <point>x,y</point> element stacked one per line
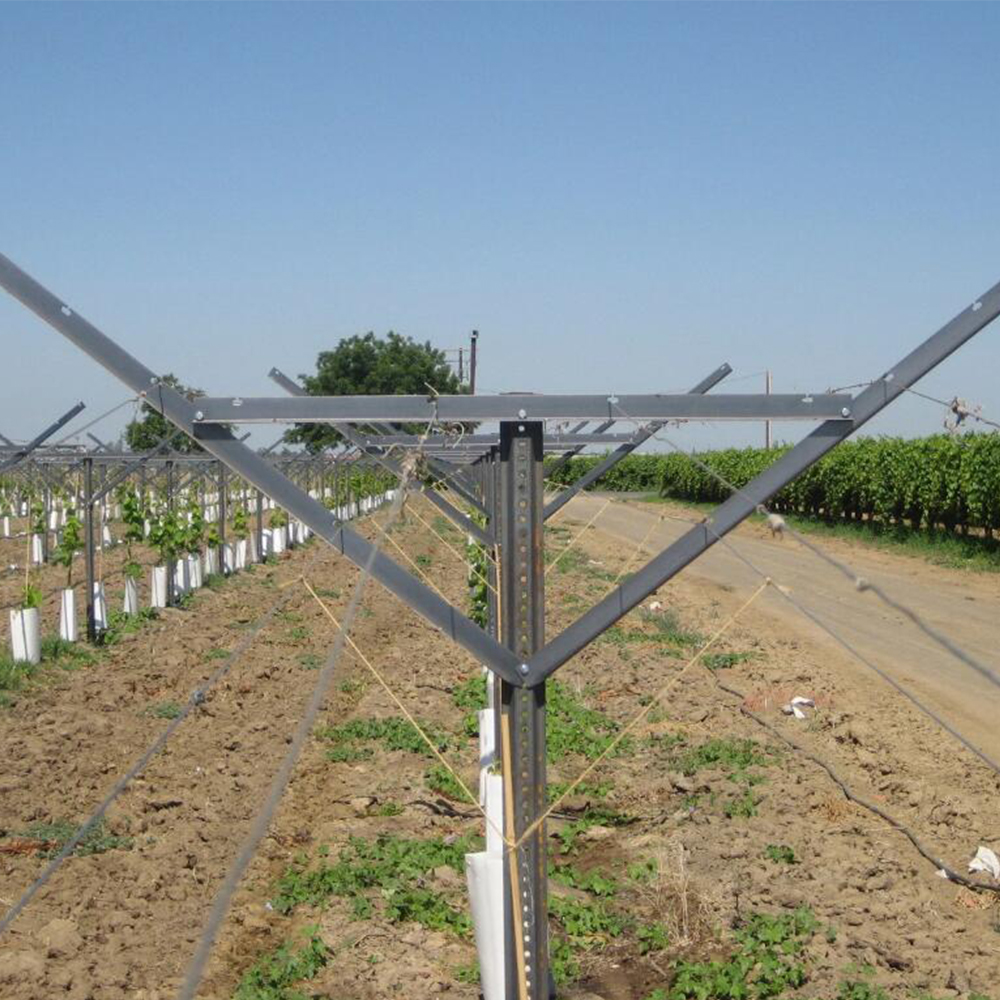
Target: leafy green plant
<point>31,596</point>
<point>479,573</point>
<point>573,728</point>
<point>241,522</point>
<point>165,710</point>
<point>652,937</point>
<point>57,834</point>
<point>733,754</point>
<point>278,518</point>
<point>121,624</point>
<point>853,989</point>
<point>601,815</point>
<point>766,962</point>
<point>780,854</point>
<point>394,733</point>
<point>36,513</point>
<point>194,531</point>
<point>167,535</point>
<point>70,543</point>
<point>742,806</point>
<point>586,919</point>
<point>272,977</point>
<point>722,661</point>
<point>468,973</point>
<point>388,871</point>
<point>439,779</point>
<point>594,881</point>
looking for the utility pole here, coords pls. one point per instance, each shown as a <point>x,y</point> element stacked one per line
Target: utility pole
<point>767,423</point>
<point>472,361</point>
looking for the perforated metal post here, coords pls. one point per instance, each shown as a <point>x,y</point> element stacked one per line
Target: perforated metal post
<point>170,563</point>
<point>88,545</point>
<point>522,630</point>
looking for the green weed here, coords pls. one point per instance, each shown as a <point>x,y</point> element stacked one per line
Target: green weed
<point>722,661</point>
<point>165,710</point>
<point>765,963</point>
<point>595,881</point>
<point>57,834</point>
<point>388,871</point>
<point>439,779</point>
<point>781,854</point>
<point>394,733</point>
<point>272,977</point>
<point>121,624</point>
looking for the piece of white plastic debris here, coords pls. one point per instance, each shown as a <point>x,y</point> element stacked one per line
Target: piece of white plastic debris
<point>985,861</point>
<point>795,706</point>
<point>941,873</point>
<point>655,606</point>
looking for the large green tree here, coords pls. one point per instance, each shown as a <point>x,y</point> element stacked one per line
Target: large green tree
<point>151,427</point>
<point>367,365</point>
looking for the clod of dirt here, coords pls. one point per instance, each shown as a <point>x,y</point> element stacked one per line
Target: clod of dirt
<point>17,964</point>
<point>60,938</point>
<point>362,804</point>
<point>598,833</point>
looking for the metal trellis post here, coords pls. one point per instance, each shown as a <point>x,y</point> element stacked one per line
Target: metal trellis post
<point>88,546</point>
<point>522,630</point>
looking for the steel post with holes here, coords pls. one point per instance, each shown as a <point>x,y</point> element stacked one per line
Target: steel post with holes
<point>259,530</point>
<point>171,564</point>
<point>88,544</point>
<point>222,511</point>
<point>522,630</point>
<point>47,517</point>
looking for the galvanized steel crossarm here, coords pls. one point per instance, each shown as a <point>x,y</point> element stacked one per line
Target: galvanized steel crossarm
<point>516,406</point>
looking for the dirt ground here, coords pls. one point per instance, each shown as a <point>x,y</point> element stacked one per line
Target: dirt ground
<point>122,922</point>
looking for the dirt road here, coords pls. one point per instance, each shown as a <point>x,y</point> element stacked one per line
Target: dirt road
<point>964,606</point>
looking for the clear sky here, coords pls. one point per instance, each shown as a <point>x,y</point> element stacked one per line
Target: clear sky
<point>619,197</point>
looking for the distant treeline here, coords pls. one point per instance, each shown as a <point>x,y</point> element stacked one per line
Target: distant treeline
<point>950,482</point>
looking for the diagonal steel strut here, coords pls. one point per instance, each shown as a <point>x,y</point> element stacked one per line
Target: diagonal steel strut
<point>642,435</point>
<point>220,442</point>
<point>740,505</point>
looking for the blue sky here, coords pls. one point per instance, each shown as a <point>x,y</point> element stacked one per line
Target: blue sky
<point>619,197</point>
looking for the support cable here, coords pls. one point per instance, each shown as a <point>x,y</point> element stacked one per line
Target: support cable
<point>283,776</point>
<point>95,421</point>
<point>778,523</point>
<point>196,698</point>
<point>654,701</point>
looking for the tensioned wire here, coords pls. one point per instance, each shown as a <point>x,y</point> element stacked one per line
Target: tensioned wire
<point>444,541</point>
<point>380,678</point>
<point>847,791</point>
<point>196,698</point>
<point>859,581</point>
<point>655,700</point>
<point>95,421</point>
<point>862,585</point>
<point>283,776</point>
